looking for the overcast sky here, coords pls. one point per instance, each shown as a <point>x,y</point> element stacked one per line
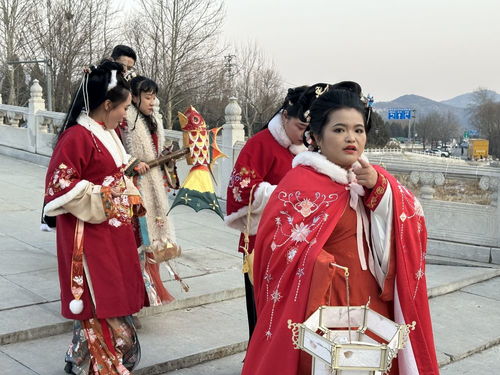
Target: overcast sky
<point>434,48</point>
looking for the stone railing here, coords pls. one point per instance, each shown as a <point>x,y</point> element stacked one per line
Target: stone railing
<point>461,204</point>
<point>24,131</point>
<point>461,201</point>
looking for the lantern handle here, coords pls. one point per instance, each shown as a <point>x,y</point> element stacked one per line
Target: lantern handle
<point>346,275</point>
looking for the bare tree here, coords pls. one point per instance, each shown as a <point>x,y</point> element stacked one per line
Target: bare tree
<point>258,85</point>
<point>437,127</point>
<point>177,45</point>
<point>14,16</point>
<point>485,116</point>
<point>72,34</point>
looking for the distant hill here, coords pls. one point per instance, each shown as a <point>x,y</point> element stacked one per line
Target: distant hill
<point>464,100</point>
<point>423,107</point>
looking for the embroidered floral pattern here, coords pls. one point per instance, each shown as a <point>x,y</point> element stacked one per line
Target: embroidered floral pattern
<point>241,180</point>
<point>62,177</point>
<point>412,210</point>
<point>118,209</point>
<point>289,234</point>
<point>305,206</point>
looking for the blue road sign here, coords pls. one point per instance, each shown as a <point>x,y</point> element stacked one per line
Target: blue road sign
<point>399,114</point>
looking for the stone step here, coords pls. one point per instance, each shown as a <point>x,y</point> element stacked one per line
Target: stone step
<point>444,279</point>
<point>169,341</point>
<point>467,313</point>
<point>182,338</point>
<point>466,322</point>
<point>447,261</point>
<point>43,319</point>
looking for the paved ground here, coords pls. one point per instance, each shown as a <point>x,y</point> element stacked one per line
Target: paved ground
<point>207,324</point>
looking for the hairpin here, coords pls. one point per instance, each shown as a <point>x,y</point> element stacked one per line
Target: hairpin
<point>320,91</point>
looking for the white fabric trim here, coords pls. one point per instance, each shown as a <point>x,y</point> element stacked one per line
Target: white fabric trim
<point>238,220</point>
<point>322,165</point>
<point>55,207</point>
<point>279,134</point>
<point>278,131</point>
<point>381,222</point>
<point>406,358</point>
<point>108,138</point>
<point>297,149</point>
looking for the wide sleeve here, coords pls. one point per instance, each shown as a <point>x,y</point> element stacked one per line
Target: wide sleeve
<point>64,184</point>
<point>248,176</point>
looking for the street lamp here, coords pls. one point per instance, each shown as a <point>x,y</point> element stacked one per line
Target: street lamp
<point>48,76</point>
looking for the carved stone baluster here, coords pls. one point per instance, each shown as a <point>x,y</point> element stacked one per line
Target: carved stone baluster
<point>490,184</point>
<point>427,180</point>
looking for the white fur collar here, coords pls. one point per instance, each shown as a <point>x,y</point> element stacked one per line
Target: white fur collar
<point>322,165</point>
<point>278,132</point>
<point>107,137</point>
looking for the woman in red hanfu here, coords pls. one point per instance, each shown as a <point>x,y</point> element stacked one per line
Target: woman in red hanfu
<point>261,164</point>
<point>99,271</point>
<point>334,207</point>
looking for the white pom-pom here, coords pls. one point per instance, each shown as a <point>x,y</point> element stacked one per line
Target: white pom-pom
<point>76,306</point>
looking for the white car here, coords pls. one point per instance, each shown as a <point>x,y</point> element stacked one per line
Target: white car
<point>439,152</point>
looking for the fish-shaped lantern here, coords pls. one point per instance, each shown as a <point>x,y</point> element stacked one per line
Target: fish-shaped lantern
<point>198,191</point>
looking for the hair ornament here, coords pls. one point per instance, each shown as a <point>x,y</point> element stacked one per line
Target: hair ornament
<point>131,73</point>
<point>113,82</point>
<point>306,115</point>
<point>321,90</point>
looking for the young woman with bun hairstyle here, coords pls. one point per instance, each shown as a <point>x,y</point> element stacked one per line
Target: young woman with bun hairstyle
<point>99,271</point>
<point>334,209</point>
<point>261,164</point>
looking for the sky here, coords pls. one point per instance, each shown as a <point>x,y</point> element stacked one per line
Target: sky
<point>434,48</point>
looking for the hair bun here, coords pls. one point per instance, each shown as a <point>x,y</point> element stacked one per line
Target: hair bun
<point>349,86</point>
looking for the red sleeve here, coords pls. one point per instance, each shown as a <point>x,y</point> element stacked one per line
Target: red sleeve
<point>252,165</point>
<point>375,195</point>
<point>68,160</point>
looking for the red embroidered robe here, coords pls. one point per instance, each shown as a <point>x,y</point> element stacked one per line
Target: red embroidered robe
<point>261,164</point>
<point>80,159</point>
<point>296,224</point>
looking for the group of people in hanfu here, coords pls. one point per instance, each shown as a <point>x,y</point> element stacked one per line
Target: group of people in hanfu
<point>307,201</point>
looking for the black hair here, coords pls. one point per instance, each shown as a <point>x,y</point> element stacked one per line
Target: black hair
<point>122,50</point>
<point>139,85</point>
<point>290,104</point>
<point>94,86</point>
<point>342,95</point>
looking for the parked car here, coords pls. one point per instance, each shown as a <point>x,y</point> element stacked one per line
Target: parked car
<point>440,152</point>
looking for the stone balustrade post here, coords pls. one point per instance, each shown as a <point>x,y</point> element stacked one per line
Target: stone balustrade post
<point>427,180</point>
<point>36,103</point>
<point>232,131</point>
<point>492,184</point>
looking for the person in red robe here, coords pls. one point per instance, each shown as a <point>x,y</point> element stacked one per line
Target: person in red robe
<point>261,164</point>
<point>335,208</point>
<point>99,272</point>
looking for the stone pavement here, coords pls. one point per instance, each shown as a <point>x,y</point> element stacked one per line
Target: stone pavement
<point>204,330</point>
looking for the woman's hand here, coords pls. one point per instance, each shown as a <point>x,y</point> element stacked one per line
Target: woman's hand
<point>142,167</point>
<point>366,175</point>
